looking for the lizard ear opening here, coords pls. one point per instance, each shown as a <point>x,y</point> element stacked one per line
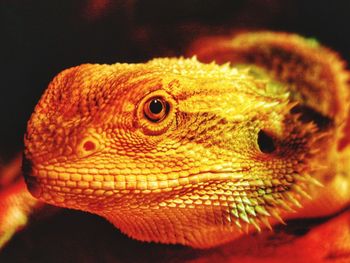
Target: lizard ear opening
<point>265,142</point>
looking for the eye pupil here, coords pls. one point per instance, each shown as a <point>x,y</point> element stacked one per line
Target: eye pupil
<point>156,109</point>
<point>156,106</point>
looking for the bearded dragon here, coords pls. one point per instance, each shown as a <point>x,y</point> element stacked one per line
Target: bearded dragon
<point>194,152</point>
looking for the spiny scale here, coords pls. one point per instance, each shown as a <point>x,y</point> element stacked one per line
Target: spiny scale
<point>266,222</point>
<point>314,181</point>
<point>252,212</point>
<point>300,191</point>
<point>261,210</point>
<point>292,199</point>
<point>255,224</point>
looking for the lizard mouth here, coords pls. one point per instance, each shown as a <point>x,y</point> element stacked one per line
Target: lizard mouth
<point>143,183</point>
<point>49,183</point>
<point>31,181</point>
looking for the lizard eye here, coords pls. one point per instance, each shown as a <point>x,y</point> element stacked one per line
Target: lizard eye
<point>156,112</point>
<point>156,109</point>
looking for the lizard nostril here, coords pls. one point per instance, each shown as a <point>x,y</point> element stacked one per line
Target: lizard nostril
<point>89,146</point>
<point>265,142</point>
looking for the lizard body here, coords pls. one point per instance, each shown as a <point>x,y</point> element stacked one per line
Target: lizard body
<point>177,151</point>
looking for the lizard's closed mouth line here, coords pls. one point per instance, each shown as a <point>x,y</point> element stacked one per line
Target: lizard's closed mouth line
<point>33,185</point>
<point>63,182</point>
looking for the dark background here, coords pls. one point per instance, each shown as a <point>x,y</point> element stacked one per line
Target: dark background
<point>39,38</point>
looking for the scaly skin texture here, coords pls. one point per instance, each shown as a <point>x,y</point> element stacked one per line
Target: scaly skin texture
<point>230,149</point>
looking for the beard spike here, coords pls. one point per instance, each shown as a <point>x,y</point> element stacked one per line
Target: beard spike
<point>292,199</point>
<point>257,211</point>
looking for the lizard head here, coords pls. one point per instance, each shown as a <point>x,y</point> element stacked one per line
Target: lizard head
<point>173,150</point>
